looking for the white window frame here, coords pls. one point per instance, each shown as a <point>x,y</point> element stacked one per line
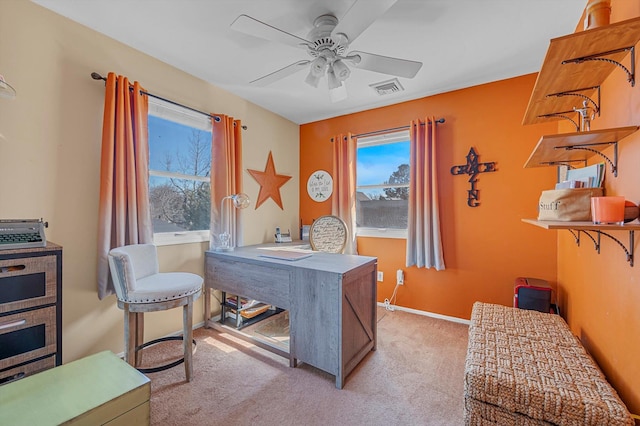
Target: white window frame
<point>383,139</point>
<point>176,113</point>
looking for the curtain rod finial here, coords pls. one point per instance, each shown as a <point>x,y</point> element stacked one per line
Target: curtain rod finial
<point>96,76</point>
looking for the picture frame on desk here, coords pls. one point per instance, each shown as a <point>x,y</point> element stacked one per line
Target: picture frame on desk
<point>329,234</point>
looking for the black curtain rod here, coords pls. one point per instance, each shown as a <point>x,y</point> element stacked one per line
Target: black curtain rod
<point>375,132</point>
<point>97,76</point>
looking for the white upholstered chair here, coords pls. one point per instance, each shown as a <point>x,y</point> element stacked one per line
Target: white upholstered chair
<point>140,288</point>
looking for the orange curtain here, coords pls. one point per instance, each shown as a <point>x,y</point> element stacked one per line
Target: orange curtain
<point>424,242</point>
<point>226,175</point>
<point>343,201</point>
<point>123,216</point>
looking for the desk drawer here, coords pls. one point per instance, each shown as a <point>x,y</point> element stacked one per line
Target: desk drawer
<point>27,282</point>
<point>27,335</point>
<point>266,284</point>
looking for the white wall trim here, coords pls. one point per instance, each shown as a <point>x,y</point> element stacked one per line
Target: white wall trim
<point>427,314</point>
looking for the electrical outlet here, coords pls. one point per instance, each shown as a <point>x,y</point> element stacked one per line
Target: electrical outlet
<point>400,277</point>
<point>380,276</point>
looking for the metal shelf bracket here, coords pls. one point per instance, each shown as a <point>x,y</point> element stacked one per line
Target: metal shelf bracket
<point>562,114</point>
<point>566,163</point>
<point>576,237</point>
<point>600,57</point>
<point>576,92</point>
<point>596,242</point>
<point>613,164</point>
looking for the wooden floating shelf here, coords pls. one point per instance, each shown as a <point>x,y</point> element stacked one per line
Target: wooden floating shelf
<point>556,77</point>
<point>583,226</point>
<point>553,149</point>
<point>587,227</point>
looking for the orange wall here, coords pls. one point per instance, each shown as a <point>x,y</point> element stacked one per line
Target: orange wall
<point>486,247</point>
<point>601,292</point>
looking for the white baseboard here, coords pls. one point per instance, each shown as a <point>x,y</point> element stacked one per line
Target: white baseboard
<point>426,314</point>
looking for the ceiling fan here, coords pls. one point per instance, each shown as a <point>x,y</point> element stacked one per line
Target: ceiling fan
<point>327,43</point>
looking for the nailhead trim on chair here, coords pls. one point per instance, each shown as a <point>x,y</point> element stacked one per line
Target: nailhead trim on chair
<point>164,299</point>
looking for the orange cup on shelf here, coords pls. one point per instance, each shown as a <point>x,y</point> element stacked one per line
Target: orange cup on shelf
<point>607,210</point>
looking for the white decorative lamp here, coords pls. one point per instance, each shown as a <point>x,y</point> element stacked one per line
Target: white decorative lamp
<point>240,201</point>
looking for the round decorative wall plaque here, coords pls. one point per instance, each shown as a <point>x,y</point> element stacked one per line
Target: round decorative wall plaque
<point>320,186</point>
<point>329,234</point>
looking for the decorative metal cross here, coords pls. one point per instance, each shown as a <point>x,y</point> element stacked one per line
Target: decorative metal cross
<point>472,168</point>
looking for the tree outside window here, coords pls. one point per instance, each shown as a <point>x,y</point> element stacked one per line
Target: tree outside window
<point>179,171</point>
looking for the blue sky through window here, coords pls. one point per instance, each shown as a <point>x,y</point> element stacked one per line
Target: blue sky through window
<point>377,163</point>
<point>166,138</point>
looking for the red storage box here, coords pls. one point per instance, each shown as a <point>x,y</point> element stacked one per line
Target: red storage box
<point>532,293</point>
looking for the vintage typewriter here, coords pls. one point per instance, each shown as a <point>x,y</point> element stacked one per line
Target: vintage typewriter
<point>22,233</point>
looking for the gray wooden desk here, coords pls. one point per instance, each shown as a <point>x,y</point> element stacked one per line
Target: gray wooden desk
<point>331,300</point>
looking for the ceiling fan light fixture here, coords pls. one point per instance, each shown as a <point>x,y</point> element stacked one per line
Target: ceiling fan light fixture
<point>318,66</point>
<point>327,44</point>
<point>341,70</point>
<point>332,80</point>
<point>312,79</point>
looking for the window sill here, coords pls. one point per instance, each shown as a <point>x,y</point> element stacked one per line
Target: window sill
<point>174,238</point>
<point>382,233</point>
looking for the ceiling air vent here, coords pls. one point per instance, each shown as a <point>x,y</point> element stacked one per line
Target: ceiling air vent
<point>387,87</point>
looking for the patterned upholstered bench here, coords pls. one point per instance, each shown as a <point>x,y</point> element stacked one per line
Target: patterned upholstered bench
<point>527,368</point>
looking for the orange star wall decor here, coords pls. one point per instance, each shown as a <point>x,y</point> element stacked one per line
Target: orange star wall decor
<point>270,183</point>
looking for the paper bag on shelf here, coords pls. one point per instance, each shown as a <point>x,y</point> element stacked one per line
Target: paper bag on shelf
<point>567,205</point>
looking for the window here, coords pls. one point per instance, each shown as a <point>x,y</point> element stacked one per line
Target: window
<point>179,170</point>
<point>382,185</point>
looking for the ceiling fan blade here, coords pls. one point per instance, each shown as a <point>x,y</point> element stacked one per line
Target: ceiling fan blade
<point>280,74</point>
<point>248,25</point>
<point>360,16</point>
<point>384,64</point>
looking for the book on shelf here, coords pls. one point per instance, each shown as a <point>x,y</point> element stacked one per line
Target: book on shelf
<point>590,176</point>
<point>233,302</point>
<point>570,184</point>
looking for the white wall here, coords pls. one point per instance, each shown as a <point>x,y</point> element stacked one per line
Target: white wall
<point>50,150</point>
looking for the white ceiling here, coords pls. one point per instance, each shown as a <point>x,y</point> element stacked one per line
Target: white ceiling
<point>461,43</point>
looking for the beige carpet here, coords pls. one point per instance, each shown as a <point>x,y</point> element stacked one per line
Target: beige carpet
<point>414,378</point>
